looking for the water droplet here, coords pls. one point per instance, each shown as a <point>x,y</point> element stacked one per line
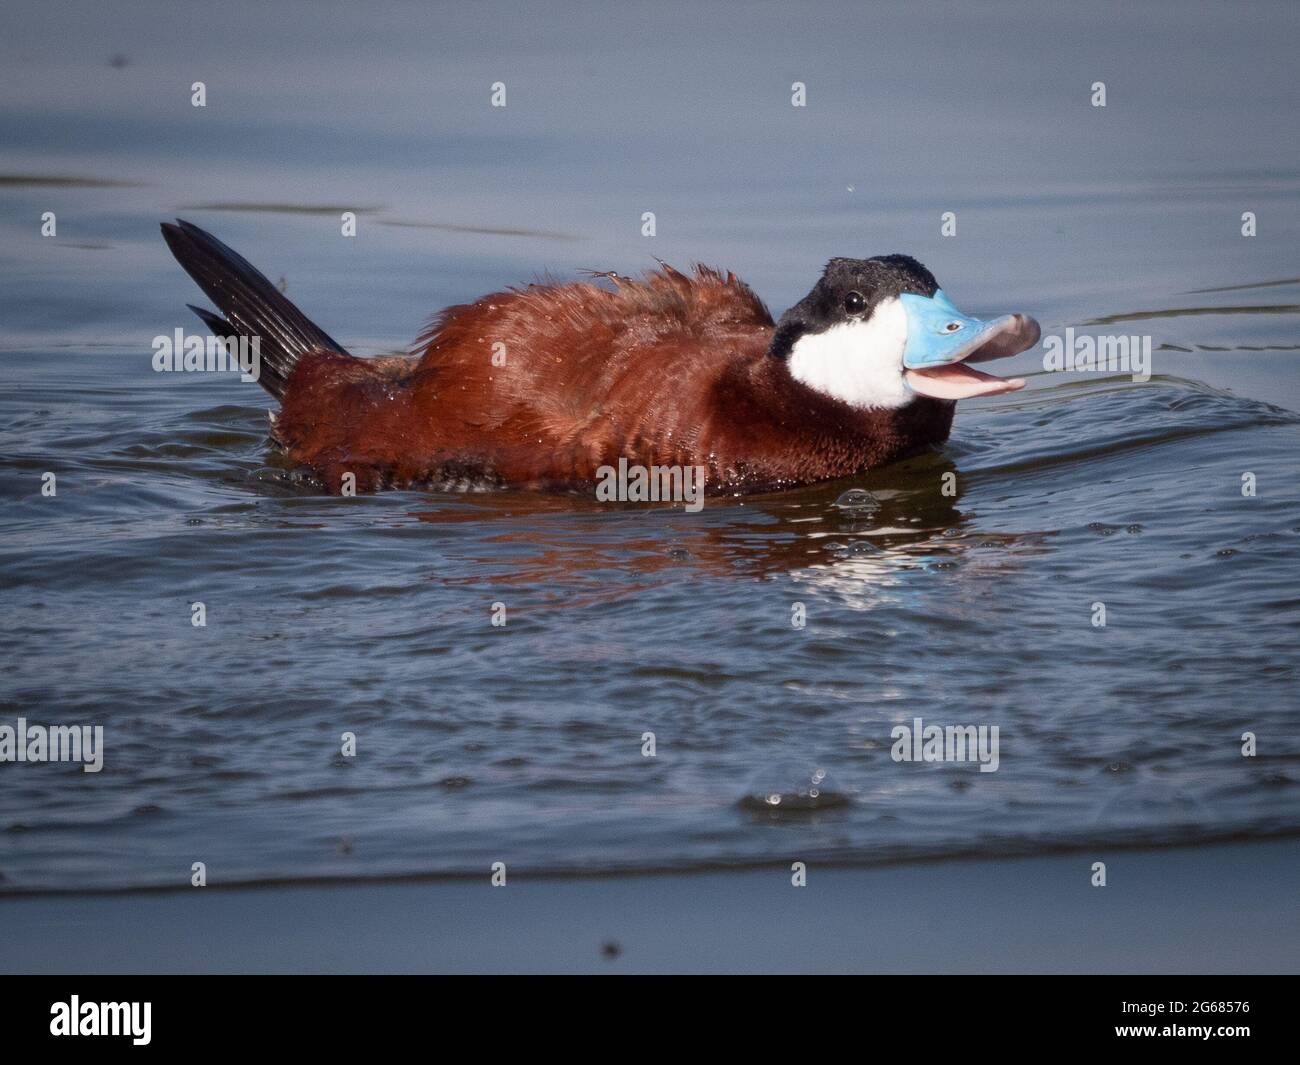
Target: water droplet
<point>797,790</point>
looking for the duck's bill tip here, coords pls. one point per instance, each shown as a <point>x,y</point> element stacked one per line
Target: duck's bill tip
<point>1012,334</point>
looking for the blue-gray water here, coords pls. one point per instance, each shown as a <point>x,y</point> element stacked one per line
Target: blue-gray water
<point>371,615</point>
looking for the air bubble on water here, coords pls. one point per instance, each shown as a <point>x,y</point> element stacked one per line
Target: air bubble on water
<point>857,501</point>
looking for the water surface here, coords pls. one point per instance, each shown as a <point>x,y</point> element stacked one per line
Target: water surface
<point>523,744</point>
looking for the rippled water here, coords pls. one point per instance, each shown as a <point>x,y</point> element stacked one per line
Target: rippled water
<point>523,744</point>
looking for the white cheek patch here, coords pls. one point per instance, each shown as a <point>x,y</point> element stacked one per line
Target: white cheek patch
<point>859,362</point>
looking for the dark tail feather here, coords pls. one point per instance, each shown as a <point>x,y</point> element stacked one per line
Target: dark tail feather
<point>251,304</point>
<point>217,325</point>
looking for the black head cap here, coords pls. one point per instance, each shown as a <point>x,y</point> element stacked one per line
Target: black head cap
<point>850,289</point>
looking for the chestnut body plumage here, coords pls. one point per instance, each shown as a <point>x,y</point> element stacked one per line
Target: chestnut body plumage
<point>540,387</point>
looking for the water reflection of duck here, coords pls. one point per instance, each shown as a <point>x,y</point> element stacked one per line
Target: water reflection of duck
<point>542,386</point>
<point>903,519</point>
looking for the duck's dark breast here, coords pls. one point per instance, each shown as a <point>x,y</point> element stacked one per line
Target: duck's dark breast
<point>771,431</point>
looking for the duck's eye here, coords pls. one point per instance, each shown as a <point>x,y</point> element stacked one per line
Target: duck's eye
<point>952,327</point>
<point>855,303</point>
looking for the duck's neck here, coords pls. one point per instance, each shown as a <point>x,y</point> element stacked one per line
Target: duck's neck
<point>777,430</point>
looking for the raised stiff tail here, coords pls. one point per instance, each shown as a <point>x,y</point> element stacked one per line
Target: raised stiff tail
<point>251,305</point>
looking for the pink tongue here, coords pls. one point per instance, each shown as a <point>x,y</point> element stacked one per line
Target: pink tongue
<point>959,381</point>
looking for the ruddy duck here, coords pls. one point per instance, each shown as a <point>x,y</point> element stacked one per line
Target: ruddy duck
<point>540,387</point>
